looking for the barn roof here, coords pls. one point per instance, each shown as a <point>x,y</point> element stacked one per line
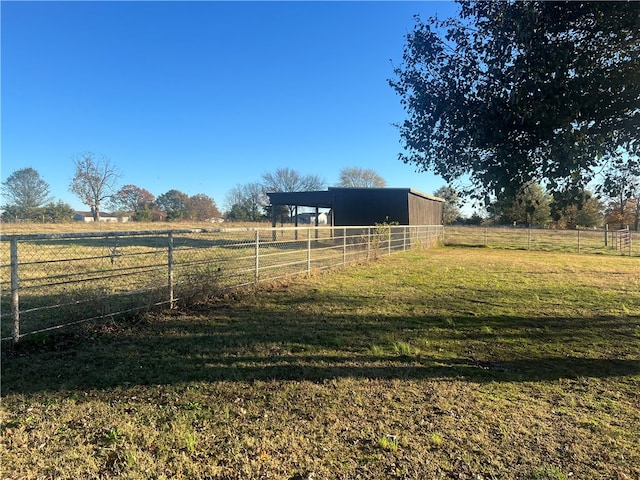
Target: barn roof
<point>326,198</point>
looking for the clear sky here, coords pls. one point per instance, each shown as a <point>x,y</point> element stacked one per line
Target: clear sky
<point>203,96</point>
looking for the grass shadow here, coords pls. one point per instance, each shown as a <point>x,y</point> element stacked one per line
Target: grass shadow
<point>245,343</point>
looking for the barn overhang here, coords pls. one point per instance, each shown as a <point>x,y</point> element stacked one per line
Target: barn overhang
<point>320,199</point>
<point>314,199</point>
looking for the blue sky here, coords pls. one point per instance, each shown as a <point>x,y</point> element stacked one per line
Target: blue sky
<point>203,96</point>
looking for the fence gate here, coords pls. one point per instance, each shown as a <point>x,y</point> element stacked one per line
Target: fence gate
<point>623,240</point>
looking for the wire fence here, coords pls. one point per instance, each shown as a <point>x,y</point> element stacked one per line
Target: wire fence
<point>595,241</point>
<point>50,281</point>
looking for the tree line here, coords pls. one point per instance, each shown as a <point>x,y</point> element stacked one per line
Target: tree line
<point>95,183</point>
<point>533,206</point>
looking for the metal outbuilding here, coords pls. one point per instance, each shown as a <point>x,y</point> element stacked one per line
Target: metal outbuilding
<point>366,206</point>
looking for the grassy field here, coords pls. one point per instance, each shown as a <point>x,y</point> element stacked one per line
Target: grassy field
<point>447,363</point>
<point>75,227</point>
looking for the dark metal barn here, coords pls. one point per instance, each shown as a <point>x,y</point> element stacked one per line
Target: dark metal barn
<point>366,206</point>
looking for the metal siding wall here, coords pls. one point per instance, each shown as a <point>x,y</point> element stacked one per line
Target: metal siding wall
<point>423,211</point>
<point>368,207</point>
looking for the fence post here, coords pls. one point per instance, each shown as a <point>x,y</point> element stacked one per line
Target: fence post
<point>389,242</point>
<point>170,269</point>
<point>309,251</point>
<point>344,246</point>
<point>578,239</point>
<point>15,299</point>
<point>606,235</point>
<point>368,243</point>
<point>257,255</point>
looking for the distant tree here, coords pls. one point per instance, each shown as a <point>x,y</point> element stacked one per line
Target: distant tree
<point>514,92</point>
<point>289,180</point>
<point>356,177</point>
<point>94,181</point>
<point>26,192</point>
<point>238,213</point>
<point>450,211</point>
<point>247,202</point>
<point>581,210</point>
<point>10,213</point>
<point>58,212</point>
<point>175,204</point>
<point>201,208</point>
<point>144,215</point>
<point>475,219</point>
<point>133,199</point>
<point>530,206</point>
<point>621,187</point>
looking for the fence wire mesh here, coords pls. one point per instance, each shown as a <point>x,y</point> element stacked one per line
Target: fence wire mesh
<point>595,241</point>
<point>56,280</point>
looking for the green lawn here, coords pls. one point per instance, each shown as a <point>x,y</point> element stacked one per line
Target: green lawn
<point>445,363</point>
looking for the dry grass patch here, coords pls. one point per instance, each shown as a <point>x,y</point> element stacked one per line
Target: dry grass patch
<point>451,363</point>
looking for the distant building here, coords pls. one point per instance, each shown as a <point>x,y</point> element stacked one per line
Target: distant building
<point>87,217</point>
<point>310,218</point>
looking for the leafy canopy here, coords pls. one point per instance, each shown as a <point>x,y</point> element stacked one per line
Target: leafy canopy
<point>515,92</point>
<point>25,189</point>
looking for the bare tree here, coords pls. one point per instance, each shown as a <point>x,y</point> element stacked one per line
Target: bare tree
<point>94,181</point>
<point>247,201</point>
<point>289,180</point>
<point>356,177</point>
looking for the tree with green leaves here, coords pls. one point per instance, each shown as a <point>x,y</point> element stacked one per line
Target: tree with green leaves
<point>531,205</point>
<point>58,212</point>
<point>621,187</point>
<point>585,213</point>
<point>512,93</point>
<point>94,181</point>
<point>357,177</point>
<point>175,204</point>
<point>25,192</point>
<point>450,209</point>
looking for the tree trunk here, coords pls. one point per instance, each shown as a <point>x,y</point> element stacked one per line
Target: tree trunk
<point>95,212</point>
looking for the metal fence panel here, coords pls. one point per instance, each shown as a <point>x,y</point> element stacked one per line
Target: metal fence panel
<point>50,281</point>
<point>609,242</point>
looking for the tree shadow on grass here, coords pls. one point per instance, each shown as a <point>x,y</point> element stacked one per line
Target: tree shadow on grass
<point>249,343</point>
